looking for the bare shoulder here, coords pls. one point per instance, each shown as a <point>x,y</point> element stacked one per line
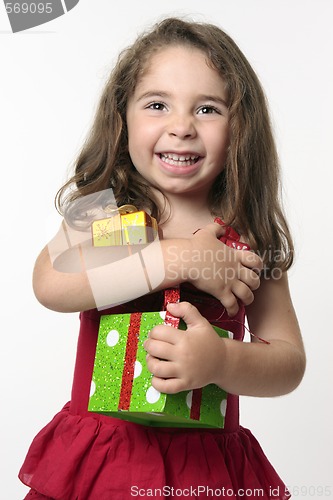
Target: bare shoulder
<point>272,314</point>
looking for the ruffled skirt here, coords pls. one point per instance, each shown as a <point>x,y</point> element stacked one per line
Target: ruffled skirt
<point>95,457</point>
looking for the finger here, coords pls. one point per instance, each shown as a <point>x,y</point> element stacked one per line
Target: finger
<point>168,385</point>
<point>250,278</point>
<point>216,228</point>
<point>163,333</point>
<point>229,301</point>
<point>158,349</point>
<point>160,368</point>
<point>187,312</point>
<point>250,260</point>
<point>213,228</point>
<point>243,292</point>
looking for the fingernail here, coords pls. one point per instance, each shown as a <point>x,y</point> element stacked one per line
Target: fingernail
<point>219,221</point>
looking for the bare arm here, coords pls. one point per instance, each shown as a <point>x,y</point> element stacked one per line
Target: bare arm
<point>83,277</point>
<point>198,356</point>
<point>274,369</point>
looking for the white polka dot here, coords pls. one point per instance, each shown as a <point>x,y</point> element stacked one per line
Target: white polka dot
<point>230,335</point>
<point>162,314</point>
<point>137,368</point>
<point>152,395</point>
<point>189,399</point>
<point>112,338</point>
<point>92,388</point>
<point>223,407</point>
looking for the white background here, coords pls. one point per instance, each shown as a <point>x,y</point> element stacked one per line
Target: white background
<point>51,77</point>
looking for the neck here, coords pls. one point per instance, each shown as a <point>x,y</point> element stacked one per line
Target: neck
<point>183,215</point>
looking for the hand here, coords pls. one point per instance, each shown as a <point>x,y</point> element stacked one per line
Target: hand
<point>227,274</point>
<point>183,360</point>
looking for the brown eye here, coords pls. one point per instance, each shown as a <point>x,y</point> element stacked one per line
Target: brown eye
<point>206,110</point>
<point>158,106</point>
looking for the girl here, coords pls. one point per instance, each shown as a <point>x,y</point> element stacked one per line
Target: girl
<point>182,130</point>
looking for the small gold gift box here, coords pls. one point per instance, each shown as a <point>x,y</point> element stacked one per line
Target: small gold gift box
<point>125,226</point>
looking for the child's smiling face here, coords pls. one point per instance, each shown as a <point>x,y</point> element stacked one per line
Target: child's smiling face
<point>177,122</point>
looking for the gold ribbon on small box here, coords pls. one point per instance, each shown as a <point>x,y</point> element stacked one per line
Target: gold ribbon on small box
<point>125,226</point>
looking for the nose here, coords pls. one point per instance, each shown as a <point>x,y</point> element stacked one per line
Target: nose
<point>182,125</point>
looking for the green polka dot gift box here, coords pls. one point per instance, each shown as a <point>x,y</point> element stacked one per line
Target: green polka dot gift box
<point>121,382</point>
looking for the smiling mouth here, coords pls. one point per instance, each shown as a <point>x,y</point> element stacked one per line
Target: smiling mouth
<point>179,160</point>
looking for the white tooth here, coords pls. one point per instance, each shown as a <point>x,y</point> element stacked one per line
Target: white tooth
<point>178,158</point>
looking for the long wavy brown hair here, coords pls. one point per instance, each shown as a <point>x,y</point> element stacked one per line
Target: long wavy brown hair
<point>247,192</point>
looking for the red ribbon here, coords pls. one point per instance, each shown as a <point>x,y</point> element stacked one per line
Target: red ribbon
<point>196,404</point>
<point>231,238</point>
<point>129,362</point>
<point>172,295</point>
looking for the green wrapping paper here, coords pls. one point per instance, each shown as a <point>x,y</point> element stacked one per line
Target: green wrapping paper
<point>121,383</point>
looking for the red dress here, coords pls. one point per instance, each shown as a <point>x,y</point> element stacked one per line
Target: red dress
<point>87,456</point>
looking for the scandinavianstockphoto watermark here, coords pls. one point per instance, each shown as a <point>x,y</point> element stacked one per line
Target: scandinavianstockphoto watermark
<point>208,264</point>
<point>23,15</point>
